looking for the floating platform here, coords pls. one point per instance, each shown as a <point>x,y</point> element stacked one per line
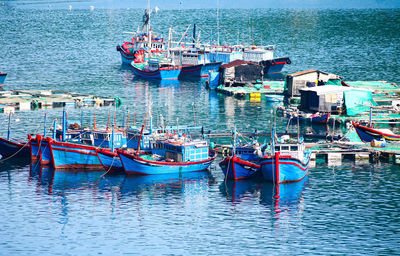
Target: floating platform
<point>36,99</point>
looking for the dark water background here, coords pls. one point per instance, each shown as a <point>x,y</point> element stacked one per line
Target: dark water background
<point>349,209</point>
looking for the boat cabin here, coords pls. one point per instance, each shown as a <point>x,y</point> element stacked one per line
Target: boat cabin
<point>259,54</point>
<point>182,151</point>
<point>290,147</point>
<point>103,138</point>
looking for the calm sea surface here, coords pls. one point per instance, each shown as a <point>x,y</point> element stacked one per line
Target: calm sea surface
<point>348,209</point>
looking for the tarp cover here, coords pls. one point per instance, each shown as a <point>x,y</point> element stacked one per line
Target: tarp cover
<point>357,102</point>
<point>214,78</point>
<point>334,82</point>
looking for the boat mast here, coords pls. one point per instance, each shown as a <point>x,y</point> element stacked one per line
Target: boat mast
<point>217,22</point>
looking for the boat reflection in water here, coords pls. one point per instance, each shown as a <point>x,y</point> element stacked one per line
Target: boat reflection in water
<point>160,185</point>
<point>283,197</point>
<point>239,190</point>
<point>280,197</point>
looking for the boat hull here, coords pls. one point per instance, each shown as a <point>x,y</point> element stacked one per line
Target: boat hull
<point>45,153</point>
<point>70,156</point>
<point>35,150</point>
<point>275,65</point>
<point>110,161</point>
<point>236,168</point>
<point>126,58</point>
<point>368,134</point>
<point>160,74</point>
<point>134,165</point>
<point>10,148</point>
<point>283,169</point>
<point>200,70</point>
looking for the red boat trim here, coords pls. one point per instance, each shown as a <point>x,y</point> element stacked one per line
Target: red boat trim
<point>277,63</point>
<point>72,145</point>
<point>238,160</point>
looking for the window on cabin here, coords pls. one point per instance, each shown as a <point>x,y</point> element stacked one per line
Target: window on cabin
<point>277,148</point>
<point>294,148</point>
<point>285,148</point>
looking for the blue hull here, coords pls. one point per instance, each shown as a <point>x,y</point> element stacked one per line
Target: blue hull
<point>74,157</point>
<point>45,153</point>
<point>3,78</point>
<point>199,70</point>
<point>10,148</point>
<point>110,161</point>
<point>236,168</point>
<point>283,169</point>
<point>275,65</point>
<point>126,58</point>
<point>158,74</point>
<point>138,166</point>
<point>35,152</point>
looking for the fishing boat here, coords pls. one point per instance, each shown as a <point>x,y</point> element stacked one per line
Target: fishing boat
<point>274,98</point>
<point>110,160</point>
<point>316,118</point>
<point>367,134</point>
<point>244,162</point>
<point>287,162</point>
<point>157,68</point>
<point>74,156</point>
<point>12,147</point>
<point>2,78</point>
<point>134,50</point>
<point>264,56</point>
<point>175,155</point>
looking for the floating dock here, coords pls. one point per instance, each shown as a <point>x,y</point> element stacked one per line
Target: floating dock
<point>21,100</point>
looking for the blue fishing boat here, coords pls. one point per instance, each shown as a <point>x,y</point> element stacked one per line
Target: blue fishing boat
<point>157,68</point>
<point>134,50</point>
<point>176,156</point>
<point>74,156</point>
<point>110,160</point>
<point>199,70</point>
<point>244,162</point>
<point>316,118</point>
<point>2,78</point>
<point>288,161</point>
<point>367,134</point>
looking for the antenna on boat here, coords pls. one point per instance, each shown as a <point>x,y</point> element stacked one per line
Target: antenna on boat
<point>55,129</point>
<point>234,141</point>
<point>217,22</point>
<point>127,120</point>
<point>45,124</point>
<point>169,41</point>
<point>94,122</point>
<point>64,124</point>
<point>112,138</point>
<point>194,114</point>
<point>134,117</point>
<point>298,125</point>
<point>140,138</point>
<point>108,121</point>
<point>9,123</point>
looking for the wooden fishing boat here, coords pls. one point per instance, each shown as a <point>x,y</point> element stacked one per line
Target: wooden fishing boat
<point>367,134</point>
<point>244,162</point>
<point>287,162</point>
<point>74,156</point>
<point>14,148</point>
<point>110,160</point>
<point>157,69</point>
<point>176,156</point>
<point>316,118</point>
